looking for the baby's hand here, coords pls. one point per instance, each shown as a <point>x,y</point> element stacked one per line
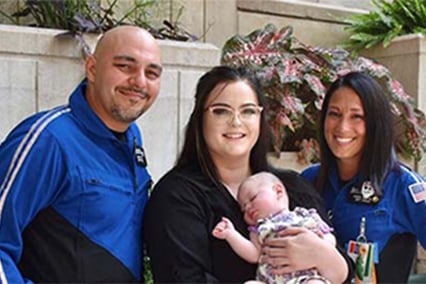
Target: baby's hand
<point>223,228</point>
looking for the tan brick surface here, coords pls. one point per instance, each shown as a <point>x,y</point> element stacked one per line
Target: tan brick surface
<point>38,72</point>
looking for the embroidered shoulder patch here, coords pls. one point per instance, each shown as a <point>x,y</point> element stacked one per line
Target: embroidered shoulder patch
<point>418,191</point>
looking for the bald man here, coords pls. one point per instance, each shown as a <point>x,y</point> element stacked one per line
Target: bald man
<point>73,180</point>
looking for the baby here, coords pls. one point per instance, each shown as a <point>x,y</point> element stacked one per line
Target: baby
<point>264,201</point>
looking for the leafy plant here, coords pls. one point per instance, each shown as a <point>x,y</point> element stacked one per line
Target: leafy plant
<point>80,16</point>
<point>294,77</point>
<point>88,16</point>
<point>386,21</point>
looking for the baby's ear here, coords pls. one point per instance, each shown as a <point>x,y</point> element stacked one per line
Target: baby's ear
<point>279,189</point>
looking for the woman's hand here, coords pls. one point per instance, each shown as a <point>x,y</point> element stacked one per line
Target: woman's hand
<point>291,250</point>
<point>298,248</point>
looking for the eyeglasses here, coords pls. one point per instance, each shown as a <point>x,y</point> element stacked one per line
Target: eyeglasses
<point>226,114</point>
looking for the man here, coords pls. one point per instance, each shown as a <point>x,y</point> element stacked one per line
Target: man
<point>73,180</point>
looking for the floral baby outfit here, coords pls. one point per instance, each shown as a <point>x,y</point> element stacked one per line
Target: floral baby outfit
<point>299,217</point>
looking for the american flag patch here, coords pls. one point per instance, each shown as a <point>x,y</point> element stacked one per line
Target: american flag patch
<point>418,191</point>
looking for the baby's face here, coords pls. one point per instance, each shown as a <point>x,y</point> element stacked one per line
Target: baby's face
<point>258,201</point>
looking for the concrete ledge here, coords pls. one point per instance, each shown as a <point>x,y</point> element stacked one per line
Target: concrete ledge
<point>402,45</point>
<point>405,57</point>
<point>44,42</point>
<point>313,23</point>
<point>189,53</point>
<point>39,42</point>
<point>298,9</point>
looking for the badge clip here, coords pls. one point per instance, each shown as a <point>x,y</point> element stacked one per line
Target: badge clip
<point>361,237</point>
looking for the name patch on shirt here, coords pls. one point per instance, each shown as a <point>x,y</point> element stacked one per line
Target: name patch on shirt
<point>418,191</point>
<point>140,157</point>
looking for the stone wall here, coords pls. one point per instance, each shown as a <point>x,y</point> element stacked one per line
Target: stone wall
<point>317,22</point>
<point>406,59</point>
<point>38,71</point>
<point>360,4</point>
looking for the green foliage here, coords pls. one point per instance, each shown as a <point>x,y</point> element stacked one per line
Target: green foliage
<point>294,77</point>
<point>386,21</point>
<point>86,16</point>
<point>81,15</point>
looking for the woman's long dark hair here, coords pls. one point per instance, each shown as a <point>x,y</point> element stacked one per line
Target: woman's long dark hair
<point>195,152</point>
<point>378,156</point>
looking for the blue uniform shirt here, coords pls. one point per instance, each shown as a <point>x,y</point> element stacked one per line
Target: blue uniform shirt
<point>72,199</point>
<point>395,213</point>
<point>394,223</point>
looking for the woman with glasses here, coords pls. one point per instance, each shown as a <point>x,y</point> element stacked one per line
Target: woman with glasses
<point>226,141</point>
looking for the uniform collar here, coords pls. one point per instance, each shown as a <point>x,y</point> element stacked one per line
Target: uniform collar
<point>86,116</point>
<point>336,183</point>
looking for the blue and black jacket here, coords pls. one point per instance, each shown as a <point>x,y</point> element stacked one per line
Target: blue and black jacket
<point>395,223</point>
<point>72,199</point>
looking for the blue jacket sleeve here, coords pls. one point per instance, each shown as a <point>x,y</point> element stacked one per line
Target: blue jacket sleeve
<point>411,214</point>
<point>31,174</point>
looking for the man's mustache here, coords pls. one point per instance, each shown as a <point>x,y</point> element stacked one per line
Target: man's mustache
<point>140,91</point>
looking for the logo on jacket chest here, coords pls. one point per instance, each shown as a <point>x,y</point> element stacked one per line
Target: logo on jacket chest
<point>365,194</point>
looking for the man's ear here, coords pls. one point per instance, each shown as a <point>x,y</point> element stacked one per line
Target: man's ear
<point>90,68</point>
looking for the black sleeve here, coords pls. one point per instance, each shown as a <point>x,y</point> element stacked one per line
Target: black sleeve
<point>175,233</point>
<point>302,193</point>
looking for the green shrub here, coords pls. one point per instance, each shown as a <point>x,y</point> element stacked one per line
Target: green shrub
<point>386,21</point>
<point>93,16</point>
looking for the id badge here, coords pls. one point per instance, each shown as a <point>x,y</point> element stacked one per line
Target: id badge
<point>365,255</point>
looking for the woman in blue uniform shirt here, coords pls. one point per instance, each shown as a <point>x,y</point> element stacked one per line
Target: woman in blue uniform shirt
<point>360,177</point>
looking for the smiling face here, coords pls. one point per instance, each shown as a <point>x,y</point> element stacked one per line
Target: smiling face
<point>232,138</point>
<point>344,126</point>
<point>123,76</point>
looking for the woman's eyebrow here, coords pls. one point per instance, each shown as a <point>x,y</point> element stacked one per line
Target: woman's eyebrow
<point>220,104</point>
